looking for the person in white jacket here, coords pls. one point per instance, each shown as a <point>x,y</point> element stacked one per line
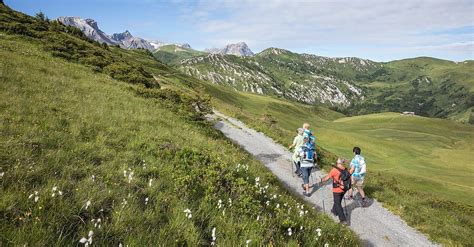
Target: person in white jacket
<point>358,169</point>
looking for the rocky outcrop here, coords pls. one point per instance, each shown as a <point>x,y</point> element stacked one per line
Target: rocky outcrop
<point>239,49</point>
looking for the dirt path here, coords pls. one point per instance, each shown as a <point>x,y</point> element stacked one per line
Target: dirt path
<point>375,225</point>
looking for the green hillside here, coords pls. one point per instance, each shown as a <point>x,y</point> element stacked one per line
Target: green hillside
<point>81,109</point>
<point>418,167</point>
<point>173,54</point>
<point>428,86</point>
<point>122,161</point>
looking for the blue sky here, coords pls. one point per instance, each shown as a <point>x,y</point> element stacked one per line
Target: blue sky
<point>380,30</point>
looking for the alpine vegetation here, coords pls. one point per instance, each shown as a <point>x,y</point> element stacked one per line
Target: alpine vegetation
<point>93,154</point>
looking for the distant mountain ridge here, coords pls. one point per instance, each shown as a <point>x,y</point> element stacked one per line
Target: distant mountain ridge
<point>427,86</point>
<point>238,49</point>
<point>157,44</point>
<point>91,29</point>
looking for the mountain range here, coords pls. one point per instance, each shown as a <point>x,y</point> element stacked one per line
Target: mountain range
<point>125,40</point>
<point>428,86</point>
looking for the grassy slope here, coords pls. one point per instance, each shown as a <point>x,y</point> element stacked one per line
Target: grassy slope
<point>417,185</point>
<point>425,162</point>
<point>172,54</point>
<point>62,123</point>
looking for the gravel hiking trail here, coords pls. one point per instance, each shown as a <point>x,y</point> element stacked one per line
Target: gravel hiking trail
<point>375,225</point>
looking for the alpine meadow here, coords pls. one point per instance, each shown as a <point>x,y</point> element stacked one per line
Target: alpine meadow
<point>109,143</point>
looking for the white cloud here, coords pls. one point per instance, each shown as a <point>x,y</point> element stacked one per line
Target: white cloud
<point>299,24</point>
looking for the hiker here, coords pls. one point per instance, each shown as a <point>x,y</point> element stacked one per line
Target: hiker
<point>341,183</point>
<point>308,133</point>
<point>297,143</point>
<point>306,163</point>
<point>358,169</point>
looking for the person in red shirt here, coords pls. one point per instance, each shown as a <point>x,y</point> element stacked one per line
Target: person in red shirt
<point>337,191</point>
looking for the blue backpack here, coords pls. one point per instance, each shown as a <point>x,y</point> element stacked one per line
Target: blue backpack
<point>309,147</point>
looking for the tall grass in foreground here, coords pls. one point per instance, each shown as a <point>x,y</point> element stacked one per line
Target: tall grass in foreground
<point>86,159</point>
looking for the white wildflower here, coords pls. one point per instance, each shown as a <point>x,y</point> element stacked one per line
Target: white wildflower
<point>301,227</point>
<point>60,193</point>
<point>219,204</point>
<point>125,173</point>
<point>93,178</point>
<point>258,217</point>
<point>87,241</point>
<point>278,205</point>
<point>36,198</point>
<point>188,213</point>
<point>301,213</point>
<point>267,203</point>
<point>149,182</point>
<point>326,245</point>
<point>88,203</point>
<point>130,177</point>
<point>213,236</point>
<point>1,174</point>
<point>146,201</point>
<point>248,242</point>
<point>55,188</point>
<point>319,232</point>
<point>230,202</point>
<point>289,232</point>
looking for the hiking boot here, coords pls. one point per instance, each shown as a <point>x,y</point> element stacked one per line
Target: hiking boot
<point>344,223</point>
<point>333,212</point>
<point>364,202</point>
<point>305,194</point>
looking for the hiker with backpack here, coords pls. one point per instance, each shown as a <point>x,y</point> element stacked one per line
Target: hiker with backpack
<point>341,181</point>
<point>358,169</point>
<point>297,143</point>
<point>306,157</point>
<point>312,140</point>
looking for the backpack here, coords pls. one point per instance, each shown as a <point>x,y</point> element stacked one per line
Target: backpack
<point>344,182</point>
<point>309,147</point>
<point>307,152</point>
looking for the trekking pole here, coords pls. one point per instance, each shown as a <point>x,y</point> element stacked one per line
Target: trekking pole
<point>345,206</point>
<point>292,163</point>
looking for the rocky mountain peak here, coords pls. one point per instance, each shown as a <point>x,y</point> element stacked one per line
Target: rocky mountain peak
<point>122,36</point>
<point>238,49</point>
<point>89,27</point>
